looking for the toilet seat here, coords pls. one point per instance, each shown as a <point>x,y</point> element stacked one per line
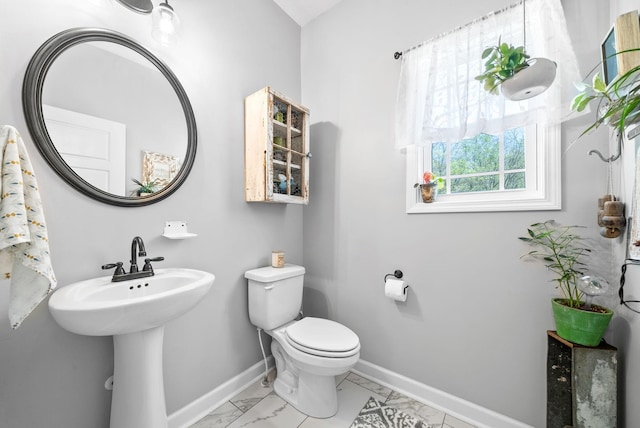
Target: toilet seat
<point>322,337</point>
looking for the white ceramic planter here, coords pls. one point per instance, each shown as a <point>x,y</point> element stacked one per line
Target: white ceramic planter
<point>530,81</point>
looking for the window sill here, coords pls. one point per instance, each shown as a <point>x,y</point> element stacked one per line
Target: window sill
<point>446,204</point>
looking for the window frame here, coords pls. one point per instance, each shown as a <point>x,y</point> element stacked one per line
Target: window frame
<point>543,194</point>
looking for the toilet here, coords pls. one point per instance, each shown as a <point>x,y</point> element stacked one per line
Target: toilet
<point>309,352</point>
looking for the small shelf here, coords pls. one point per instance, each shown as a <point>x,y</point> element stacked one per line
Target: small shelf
<point>179,235</point>
<point>177,230</point>
<point>284,164</point>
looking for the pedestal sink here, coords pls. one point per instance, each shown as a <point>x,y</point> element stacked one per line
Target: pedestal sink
<point>134,312</point>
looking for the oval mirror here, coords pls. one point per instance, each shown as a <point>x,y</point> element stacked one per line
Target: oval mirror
<point>109,117</point>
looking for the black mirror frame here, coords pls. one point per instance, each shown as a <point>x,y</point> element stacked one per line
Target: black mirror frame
<point>32,106</point>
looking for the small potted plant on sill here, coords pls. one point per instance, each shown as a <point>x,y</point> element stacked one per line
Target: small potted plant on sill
<point>145,187</point>
<point>429,190</point>
<point>563,253</point>
<point>617,104</point>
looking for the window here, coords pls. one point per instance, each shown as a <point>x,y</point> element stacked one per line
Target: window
<point>494,154</point>
<point>518,169</point>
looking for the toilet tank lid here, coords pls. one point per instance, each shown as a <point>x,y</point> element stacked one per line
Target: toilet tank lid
<point>271,274</point>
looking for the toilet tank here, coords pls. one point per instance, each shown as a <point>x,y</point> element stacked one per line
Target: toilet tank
<point>275,295</point>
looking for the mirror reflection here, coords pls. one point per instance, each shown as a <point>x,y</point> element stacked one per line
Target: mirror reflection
<point>114,118</point>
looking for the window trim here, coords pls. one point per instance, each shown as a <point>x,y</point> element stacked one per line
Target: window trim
<point>546,194</point>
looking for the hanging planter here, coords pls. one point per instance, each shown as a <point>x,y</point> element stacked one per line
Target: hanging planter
<point>530,81</point>
<point>511,69</point>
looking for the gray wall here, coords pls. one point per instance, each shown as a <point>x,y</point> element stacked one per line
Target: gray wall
<point>229,49</point>
<point>475,321</point>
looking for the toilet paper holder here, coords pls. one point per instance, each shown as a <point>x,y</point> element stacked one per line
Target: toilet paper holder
<point>397,273</point>
<point>396,288</point>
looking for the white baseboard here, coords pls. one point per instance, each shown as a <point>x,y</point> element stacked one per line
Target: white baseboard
<point>196,410</point>
<point>454,406</point>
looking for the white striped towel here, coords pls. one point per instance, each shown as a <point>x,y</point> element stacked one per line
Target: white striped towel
<point>24,244</point>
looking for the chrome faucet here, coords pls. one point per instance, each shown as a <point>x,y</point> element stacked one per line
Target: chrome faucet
<point>137,242</point>
<point>137,249</point>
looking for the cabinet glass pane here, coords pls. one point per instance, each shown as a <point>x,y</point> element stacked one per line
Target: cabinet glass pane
<point>296,174</point>
<point>279,111</point>
<point>279,178</point>
<point>297,117</point>
<point>297,143</point>
<point>279,155</point>
<point>279,131</point>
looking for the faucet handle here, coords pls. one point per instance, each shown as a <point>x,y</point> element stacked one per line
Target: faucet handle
<point>147,263</point>
<point>117,265</point>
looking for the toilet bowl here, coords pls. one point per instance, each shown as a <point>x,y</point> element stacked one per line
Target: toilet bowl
<point>308,352</point>
<point>306,371</point>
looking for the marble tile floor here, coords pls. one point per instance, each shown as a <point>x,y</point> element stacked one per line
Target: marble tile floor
<point>260,407</point>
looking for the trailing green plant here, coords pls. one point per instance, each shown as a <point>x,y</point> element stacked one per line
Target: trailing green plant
<point>562,251</point>
<point>502,62</point>
<point>617,104</point>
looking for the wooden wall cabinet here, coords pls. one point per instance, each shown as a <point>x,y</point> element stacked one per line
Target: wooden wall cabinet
<point>276,144</point>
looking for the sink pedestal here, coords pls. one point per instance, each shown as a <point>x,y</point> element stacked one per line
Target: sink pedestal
<point>134,312</point>
<point>138,387</point>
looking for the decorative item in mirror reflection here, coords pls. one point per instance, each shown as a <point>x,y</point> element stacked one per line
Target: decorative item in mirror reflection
<point>145,188</point>
<point>159,168</point>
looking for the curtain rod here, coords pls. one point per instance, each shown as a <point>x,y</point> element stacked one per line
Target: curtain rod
<point>398,55</point>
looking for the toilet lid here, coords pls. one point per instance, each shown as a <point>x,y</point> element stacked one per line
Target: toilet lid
<point>323,337</point>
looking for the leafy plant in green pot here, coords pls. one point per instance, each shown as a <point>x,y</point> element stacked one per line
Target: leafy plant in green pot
<point>617,104</point>
<point>563,252</point>
<point>502,62</point>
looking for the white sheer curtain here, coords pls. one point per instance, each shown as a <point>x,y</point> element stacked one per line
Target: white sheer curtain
<point>439,99</point>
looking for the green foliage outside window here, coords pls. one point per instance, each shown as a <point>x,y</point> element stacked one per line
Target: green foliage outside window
<point>474,164</point>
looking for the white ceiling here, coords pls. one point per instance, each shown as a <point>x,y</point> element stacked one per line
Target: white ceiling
<point>304,11</point>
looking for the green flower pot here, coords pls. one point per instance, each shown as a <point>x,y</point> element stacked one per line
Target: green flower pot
<point>578,326</point>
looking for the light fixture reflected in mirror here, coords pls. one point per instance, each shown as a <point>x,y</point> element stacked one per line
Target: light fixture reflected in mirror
<point>166,23</point>
<point>140,6</point>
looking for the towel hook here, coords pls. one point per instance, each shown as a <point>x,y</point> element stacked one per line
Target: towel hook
<point>612,158</point>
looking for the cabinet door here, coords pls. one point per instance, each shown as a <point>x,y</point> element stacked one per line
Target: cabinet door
<point>290,182</point>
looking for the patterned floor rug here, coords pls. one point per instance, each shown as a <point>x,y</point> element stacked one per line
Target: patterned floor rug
<point>375,414</point>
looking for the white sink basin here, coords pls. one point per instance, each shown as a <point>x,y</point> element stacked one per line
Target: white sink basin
<point>99,307</point>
